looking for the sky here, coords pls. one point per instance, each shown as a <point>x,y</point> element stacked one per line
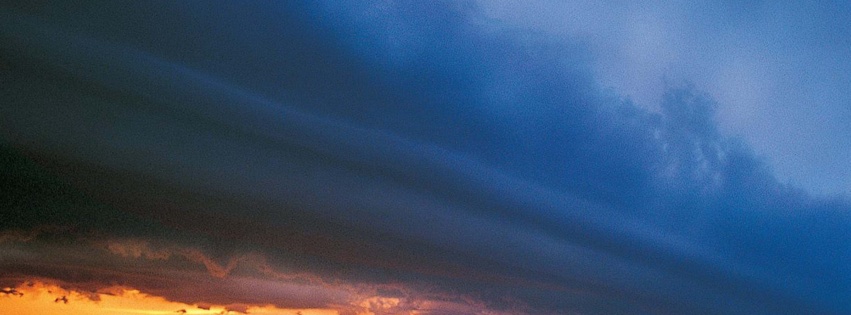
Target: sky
<point>409,157</point>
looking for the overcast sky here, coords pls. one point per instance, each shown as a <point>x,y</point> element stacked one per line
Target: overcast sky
<point>445,157</point>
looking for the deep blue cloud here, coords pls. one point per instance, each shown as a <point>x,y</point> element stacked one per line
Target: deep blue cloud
<point>427,141</point>
<point>773,67</point>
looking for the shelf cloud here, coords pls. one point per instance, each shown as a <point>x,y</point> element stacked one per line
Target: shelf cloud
<point>390,157</point>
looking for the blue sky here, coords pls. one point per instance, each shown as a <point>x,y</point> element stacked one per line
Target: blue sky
<point>517,157</point>
<point>777,69</point>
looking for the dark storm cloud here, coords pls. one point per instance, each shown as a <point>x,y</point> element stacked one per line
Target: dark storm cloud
<point>420,139</point>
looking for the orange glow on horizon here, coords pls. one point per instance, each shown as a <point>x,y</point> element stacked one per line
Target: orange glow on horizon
<point>47,299</point>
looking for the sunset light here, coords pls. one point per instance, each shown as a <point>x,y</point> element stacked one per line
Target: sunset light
<point>38,298</point>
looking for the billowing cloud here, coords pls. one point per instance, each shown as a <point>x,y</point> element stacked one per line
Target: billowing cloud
<point>394,156</point>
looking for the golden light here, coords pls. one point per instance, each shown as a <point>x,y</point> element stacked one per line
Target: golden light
<point>39,298</point>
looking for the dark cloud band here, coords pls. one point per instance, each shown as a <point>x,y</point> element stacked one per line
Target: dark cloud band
<point>422,170</point>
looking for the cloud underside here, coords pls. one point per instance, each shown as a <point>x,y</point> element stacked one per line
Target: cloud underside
<point>419,151</point>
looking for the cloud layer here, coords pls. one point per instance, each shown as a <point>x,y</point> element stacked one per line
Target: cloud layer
<point>418,145</point>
